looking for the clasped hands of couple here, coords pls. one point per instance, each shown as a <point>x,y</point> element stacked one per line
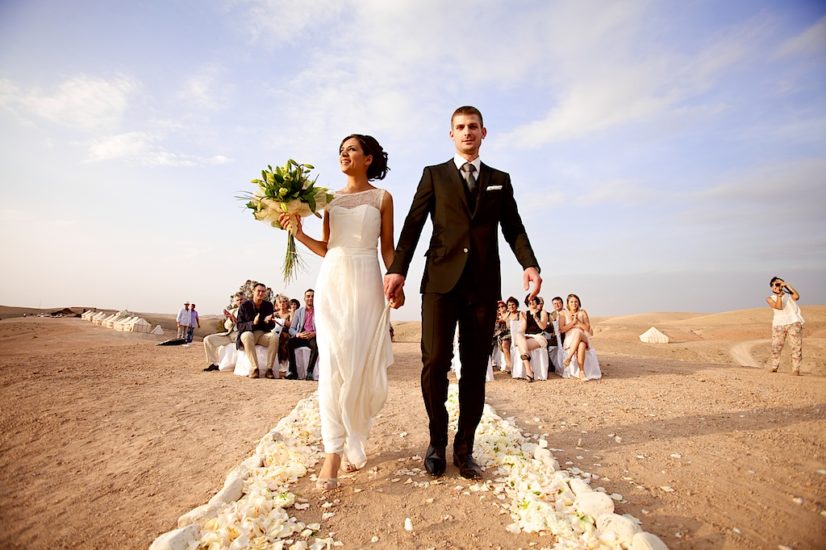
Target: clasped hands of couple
<point>393,283</point>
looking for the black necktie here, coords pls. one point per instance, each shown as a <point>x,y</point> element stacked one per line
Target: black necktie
<point>467,170</point>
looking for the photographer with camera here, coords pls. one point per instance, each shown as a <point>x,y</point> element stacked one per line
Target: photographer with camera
<point>787,322</point>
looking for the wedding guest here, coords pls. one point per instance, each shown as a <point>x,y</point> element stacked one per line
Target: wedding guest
<point>294,305</point>
<point>283,317</point>
<point>230,334</point>
<point>183,320</point>
<point>511,314</point>
<point>553,317</point>
<point>255,324</point>
<point>532,323</point>
<point>786,322</point>
<point>577,325</point>
<point>500,330</point>
<point>195,320</point>
<point>303,335</point>
<point>352,318</point>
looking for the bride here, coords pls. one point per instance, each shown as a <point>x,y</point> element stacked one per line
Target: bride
<point>352,321</point>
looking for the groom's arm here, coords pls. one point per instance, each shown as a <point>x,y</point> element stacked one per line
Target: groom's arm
<point>514,230</point>
<point>517,238</point>
<point>420,208</point>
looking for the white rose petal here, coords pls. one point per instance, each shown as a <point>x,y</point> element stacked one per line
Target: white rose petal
<point>408,525</point>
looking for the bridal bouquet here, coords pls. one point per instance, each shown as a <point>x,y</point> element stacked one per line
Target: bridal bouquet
<point>287,189</point>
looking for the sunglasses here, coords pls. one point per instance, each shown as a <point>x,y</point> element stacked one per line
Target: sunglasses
<point>778,284</point>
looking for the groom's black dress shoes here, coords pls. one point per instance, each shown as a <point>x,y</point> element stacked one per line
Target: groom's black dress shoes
<point>468,468</point>
<point>434,461</point>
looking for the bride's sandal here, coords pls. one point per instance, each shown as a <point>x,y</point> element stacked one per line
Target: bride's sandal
<point>326,484</point>
<point>351,468</point>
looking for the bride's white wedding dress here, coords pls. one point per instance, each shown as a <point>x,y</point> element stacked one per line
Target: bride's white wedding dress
<point>353,326</point>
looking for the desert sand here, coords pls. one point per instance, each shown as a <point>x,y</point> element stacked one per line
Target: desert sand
<point>107,438</point>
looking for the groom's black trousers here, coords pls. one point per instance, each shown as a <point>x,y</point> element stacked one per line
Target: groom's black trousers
<point>440,314</point>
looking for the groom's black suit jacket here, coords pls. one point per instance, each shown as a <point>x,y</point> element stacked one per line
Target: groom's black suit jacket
<point>463,238</point>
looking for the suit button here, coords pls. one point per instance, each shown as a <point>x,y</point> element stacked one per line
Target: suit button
<point>465,249</point>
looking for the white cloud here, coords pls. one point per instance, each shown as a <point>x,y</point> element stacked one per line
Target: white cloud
<point>142,147</point>
<point>602,80</point>
<point>812,41</point>
<point>206,89</point>
<point>616,192</point>
<point>129,144</point>
<point>87,103</point>
<point>277,22</point>
<point>165,158</point>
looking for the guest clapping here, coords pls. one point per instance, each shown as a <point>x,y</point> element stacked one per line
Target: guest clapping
<point>255,324</point>
<point>215,341</point>
<point>576,326</point>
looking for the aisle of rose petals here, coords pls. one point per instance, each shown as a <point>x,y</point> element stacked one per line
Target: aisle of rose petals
<point>251,510</point>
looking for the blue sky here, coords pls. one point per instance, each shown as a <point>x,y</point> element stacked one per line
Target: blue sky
<point>666,156</point>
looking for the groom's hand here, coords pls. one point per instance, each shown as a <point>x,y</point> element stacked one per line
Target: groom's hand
<point>398,300</point>
<point>531,275</point>
<point>394,289</point>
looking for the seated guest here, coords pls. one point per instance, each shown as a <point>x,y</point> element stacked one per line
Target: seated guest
<point>553,317</point>
<point>302,332</point>
<point>255,324</point>
<point>500,329</point>
<point>283,317</point>
<point>576,325</point>
<point>215,341</point>
<point>532,323</point>
<point>294,305</point>
<point>511,313</point>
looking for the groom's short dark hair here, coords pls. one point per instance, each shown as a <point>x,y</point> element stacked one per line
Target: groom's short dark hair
<point>467,110</point>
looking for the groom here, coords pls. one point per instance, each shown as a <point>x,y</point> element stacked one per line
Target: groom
<point>466,201</point>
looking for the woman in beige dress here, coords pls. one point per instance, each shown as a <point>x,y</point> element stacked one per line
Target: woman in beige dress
<point>576,325</point>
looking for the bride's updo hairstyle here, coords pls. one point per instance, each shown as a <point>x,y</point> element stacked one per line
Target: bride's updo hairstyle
<point>378,168</point>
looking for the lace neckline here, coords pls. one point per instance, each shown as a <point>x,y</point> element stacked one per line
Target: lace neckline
<point>343,192</point>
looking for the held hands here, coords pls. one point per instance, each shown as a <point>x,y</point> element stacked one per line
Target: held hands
<point>394,289</point>
<point>398,300</point>
<point>531,275</point>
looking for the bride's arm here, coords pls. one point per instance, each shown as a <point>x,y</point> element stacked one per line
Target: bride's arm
<point>387,247</point>
<point>319,247</point>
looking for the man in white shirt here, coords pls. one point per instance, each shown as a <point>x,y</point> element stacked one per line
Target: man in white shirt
<point>183,320</point>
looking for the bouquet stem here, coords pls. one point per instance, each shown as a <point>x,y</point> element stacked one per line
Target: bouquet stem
<point>292,259</point>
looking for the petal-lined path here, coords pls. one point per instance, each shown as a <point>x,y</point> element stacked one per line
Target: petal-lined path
<point>108,439</point>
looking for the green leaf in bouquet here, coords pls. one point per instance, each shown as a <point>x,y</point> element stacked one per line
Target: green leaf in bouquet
<point>310,166</point>
<point>310,200</point>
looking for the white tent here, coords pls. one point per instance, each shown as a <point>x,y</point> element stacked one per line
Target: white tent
<point>157,330</point>
<point>99,317</point>
<point>109,322</point>
<point>139,325</point>
<point>87,315</point>
<point>653,336</point>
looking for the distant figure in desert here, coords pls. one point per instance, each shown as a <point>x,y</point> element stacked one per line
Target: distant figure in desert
<point>787,322</point>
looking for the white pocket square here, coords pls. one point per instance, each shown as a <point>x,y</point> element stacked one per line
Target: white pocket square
<point>493,188</point>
